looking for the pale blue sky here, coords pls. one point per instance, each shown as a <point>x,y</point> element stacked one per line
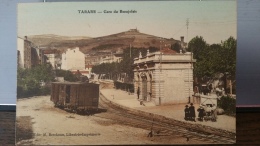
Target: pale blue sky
<point>214,20</point>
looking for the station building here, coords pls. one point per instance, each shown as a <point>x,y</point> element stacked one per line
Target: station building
<point>164,77</point>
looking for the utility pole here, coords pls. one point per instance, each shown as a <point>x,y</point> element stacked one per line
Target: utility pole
<point>160,69</point>
<point>187,24</point>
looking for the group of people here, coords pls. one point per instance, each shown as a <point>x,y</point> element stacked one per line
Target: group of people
<point>210,112</point>
<point>190,113</point>
<point>207,112</point>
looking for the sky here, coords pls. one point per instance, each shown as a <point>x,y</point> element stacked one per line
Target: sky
<point>213,20</point>
<point>248,34</point>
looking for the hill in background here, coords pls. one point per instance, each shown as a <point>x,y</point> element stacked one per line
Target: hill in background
<point>101,44</point>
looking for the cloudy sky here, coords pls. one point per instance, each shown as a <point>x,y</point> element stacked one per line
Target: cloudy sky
<point>213,20</point>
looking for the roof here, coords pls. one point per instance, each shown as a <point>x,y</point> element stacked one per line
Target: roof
<point>168,51</point>
<point>88,66</point>
<point>50,51</point>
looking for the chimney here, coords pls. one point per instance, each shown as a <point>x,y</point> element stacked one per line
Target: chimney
<point>182,38</point>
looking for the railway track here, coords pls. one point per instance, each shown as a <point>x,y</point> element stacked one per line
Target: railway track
<point>161,127</point>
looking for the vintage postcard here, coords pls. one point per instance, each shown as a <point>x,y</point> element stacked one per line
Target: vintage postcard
<point>149,72</point>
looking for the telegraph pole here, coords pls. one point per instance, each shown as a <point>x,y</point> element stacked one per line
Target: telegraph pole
<point>187,24</point>
<point>160,68</point>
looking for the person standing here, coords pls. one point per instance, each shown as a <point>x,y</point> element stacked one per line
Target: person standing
<point>210,88</point>
<point>201,113</point>
<point>192,112</point>
<point>214,113</point>
<point>187,113</point>
<point>138,92</point>
<point>208,110</point>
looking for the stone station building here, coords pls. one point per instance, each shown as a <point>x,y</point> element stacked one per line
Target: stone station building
<point>164,77</point>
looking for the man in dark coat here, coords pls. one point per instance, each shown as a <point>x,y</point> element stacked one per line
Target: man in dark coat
<point>187,113</point>
<point>138,92</point>
<point>192,112</point>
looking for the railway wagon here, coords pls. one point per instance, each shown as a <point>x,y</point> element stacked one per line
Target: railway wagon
<point>75,96</point>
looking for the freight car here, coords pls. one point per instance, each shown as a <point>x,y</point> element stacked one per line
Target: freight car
<point>75,96</point>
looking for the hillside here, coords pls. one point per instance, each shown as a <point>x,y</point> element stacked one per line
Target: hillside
<point>102,44</point>
<point>48,39</point>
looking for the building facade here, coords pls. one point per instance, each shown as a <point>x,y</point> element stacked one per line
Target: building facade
<point>111,58</point>
<point>27,53</point>
<point>73,59</point>
<point>164,77</point>
<point>53,57</point>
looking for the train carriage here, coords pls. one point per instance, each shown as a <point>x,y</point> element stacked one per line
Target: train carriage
<point>75,96</point>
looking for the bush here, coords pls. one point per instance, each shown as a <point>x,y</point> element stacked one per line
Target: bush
<point>68,76</point>
<point>45,90</point>
<point>20,91</point>
<point>29,81</point>
<point>228,104</point>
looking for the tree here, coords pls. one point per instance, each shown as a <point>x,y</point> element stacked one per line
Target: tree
<point>68,75</point>
<point>229,56</point>
<point>43,73</point>
<point>215,58</point>
<point>125,66</point>
<point>198,47</point>
<point>29,80</point>
<point>176,47</point>
<point>210,60</point>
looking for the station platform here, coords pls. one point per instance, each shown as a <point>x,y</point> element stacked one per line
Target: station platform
<point>173,111</point>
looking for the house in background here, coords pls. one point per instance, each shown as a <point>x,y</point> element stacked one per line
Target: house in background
<point>73,59</point>
<point>53,57</point>
<point>92,59</point>
<point>112,57</point>
<point>27,53</point>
